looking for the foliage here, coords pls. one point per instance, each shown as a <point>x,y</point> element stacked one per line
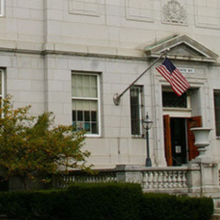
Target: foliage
<point>33,147</point>
<point>103,201</point>
<point>173,207</point>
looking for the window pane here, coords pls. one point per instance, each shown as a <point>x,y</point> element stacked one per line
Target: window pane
<point>93,86</point>
<point>84,86</point>
<point>94,115</point>
<point>74,85</point>
<point>171,100</point>
<point>217,111</point>
<point>87,115</point>
<point>79,115</point>
<point>94,128</point>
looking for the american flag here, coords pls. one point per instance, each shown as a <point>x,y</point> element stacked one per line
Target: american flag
<point>177,81</point>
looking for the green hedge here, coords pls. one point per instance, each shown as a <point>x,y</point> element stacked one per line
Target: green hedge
<point>104,201</point>
<point>169,207</point>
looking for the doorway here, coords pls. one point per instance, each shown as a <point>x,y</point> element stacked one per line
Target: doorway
<point>179,140</point>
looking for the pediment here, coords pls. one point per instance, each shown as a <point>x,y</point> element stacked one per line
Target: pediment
<point>181,48</point>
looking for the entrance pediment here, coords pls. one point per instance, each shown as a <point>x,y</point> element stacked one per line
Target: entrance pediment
<point>181,48</point>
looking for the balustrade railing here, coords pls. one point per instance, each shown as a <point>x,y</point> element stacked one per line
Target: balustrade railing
<point>77,177</point>
<point>196,179</point>
<point>164,178</point>
<point>151,179</point>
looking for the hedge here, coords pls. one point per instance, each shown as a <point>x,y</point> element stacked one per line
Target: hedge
<point>103,201</point>
<point>157,206</point>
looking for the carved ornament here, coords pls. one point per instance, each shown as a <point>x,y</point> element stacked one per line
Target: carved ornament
<point>174,12</point>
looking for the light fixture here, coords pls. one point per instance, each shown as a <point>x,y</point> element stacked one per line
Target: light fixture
<point>147,124</point>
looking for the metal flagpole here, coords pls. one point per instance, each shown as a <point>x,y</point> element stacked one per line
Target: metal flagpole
<point>117,97</point>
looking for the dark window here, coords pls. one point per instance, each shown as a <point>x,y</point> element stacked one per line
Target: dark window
<point>217,112</point>
<point>136,110</point>
<point>171,100</point>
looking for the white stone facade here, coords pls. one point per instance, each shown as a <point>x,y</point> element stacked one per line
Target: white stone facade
<point>43,41</point>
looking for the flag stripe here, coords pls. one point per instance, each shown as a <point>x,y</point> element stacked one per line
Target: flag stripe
<point>177,81</point>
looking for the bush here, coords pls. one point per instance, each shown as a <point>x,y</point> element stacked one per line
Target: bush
<point>104,201</point>
<point>170,207</point>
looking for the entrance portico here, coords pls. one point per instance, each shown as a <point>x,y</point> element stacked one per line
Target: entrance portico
<point>180,113</point>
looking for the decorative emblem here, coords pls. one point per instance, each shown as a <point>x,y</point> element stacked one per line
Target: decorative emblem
<point>174,12</point>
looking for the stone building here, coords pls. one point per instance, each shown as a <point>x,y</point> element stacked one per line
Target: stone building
<point>72,57</point>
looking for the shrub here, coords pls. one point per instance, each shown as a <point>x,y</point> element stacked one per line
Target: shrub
<point>103,201</point>
<point>108,201</point>
<point>170,207</point>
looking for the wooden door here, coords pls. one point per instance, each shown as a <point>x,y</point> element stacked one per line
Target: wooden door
<point>167,140</point>
<point>191,123</point>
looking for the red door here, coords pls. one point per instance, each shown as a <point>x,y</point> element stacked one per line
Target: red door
<point>191,123</point>
<point>167,140</point>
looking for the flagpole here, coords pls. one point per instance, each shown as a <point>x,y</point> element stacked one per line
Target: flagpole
<point>117,97</point>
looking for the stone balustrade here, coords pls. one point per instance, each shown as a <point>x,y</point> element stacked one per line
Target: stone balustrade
<point>151,179</point>
<point>196,179</point>
<point>164,179</point>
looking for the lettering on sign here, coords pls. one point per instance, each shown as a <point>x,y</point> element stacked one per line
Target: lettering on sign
<point>186,70</point>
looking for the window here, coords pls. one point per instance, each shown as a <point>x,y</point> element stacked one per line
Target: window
<point>85,102</point>
<point>2,8</point>
<point>217,111</point>
<point>2,86</point>
<point>171,100</point>
<point>136,102</point>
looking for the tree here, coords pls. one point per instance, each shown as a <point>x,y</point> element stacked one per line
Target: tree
<point>34,147</point>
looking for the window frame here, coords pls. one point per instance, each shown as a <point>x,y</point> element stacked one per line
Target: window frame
<point>2,8</point>
<point>141,110</point>
<point>2,93</point>
<point>176,111</point>
<point>188,104</point>
<point>91,99</point>
<point>217,131</point>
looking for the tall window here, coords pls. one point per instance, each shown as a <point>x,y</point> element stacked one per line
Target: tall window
<point>85,102</point>
<point>136,103</point>
<point>2,86</point>
<point>217,111</point>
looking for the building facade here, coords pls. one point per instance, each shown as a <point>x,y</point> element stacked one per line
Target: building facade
<point>72,57</point>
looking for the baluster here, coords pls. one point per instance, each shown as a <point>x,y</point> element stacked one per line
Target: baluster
<point>144,181</point>
<point>165,179</point>
<point>174,177</point>
<point>91,179</point>
<point>184,183</point>
<point>149,180</point>
<point>169,180</point>
<point>160,179</point>
<point>155,180</point>
<point>180,173</point>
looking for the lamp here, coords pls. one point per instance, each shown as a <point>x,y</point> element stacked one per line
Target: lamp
<point>147,124</point>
